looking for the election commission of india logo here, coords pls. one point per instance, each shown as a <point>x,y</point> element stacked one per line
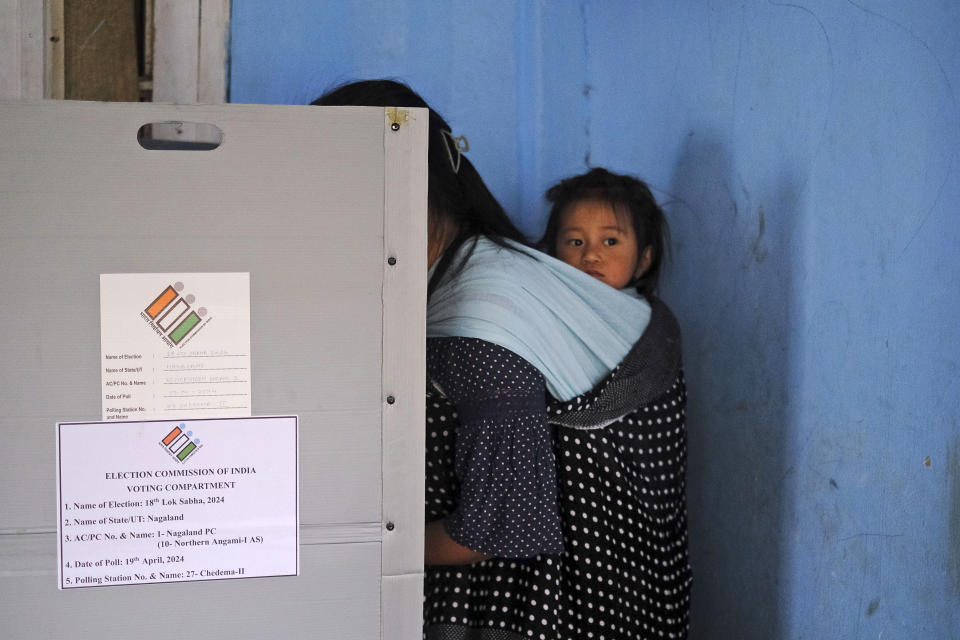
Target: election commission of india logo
<point>180,443</point>
<point>174,317</point>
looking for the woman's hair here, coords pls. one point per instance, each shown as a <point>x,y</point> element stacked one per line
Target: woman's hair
<point>454,195</point>
<point>621,192</point>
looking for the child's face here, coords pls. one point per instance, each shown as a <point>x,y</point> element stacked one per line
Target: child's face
<point>594,239</point>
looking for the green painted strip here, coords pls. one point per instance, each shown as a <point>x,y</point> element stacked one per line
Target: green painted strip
<point>184,327</point>
<point>186,451</point>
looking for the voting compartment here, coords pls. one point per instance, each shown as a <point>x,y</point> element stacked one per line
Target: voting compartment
<point>233,330</point>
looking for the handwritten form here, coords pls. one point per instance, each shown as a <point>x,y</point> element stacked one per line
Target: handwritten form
<point>175,345</point>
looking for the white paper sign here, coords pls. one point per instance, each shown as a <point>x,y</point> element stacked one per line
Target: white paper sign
<point>175,345</point>
<point>168,501</point>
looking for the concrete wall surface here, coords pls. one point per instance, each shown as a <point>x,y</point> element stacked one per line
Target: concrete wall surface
<point>806,154</point>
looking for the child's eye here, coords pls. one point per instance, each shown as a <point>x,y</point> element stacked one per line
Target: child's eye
<point>609,242</point>
<point>575,242</point>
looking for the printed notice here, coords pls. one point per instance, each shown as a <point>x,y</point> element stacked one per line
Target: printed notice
<point>176,501</point>
<point>175,345</point>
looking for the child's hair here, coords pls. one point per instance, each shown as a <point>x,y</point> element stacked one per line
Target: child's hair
<point>620,192</point>
<point>455,192</point>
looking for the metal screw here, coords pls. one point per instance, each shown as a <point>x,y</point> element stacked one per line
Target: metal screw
<point>391,261</point>
<point>395,126</point>
<point>391,399</point>
<point>390,526</point>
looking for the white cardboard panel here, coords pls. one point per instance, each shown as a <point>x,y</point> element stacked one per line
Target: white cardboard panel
<point>337,595</point>
<point>402,612</point>
<point>404,348</point>
<point>297,197</point>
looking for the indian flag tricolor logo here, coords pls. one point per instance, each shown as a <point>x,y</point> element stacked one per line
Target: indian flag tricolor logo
<point>173,313</point>
<point>180,443</point>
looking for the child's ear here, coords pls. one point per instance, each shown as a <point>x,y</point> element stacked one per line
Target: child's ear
<point>646,259</point>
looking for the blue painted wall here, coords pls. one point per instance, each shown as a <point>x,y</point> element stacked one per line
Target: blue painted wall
<point>807,156</point>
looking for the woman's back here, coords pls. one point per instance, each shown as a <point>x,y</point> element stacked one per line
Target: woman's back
<point>624,570</point>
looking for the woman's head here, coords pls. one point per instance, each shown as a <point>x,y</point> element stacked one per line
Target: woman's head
<point>610,226</point>
<point>460,205</point>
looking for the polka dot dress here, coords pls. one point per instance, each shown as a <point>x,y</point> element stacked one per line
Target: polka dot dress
<point>622,570</point>
<point>500,496</point>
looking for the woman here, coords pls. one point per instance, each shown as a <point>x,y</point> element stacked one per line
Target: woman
<point>508,551</point>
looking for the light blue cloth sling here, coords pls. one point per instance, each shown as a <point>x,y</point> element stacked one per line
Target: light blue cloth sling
<point>572,327</point>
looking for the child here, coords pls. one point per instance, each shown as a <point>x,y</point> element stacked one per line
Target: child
<point>609,226</point>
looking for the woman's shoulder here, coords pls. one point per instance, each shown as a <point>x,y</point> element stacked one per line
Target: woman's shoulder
<point>651,369</point>
<point>657,356</point>
<point>463,366</point>
<point>502,258</point>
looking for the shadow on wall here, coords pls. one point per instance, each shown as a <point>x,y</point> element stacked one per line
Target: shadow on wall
<point>731,286</point>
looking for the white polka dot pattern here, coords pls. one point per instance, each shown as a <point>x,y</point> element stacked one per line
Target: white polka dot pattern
<point>505,502</point>
<point>625,569</point>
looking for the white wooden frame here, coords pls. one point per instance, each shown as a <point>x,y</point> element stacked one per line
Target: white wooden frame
<point>23,49</point>
<point>190,50</point>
